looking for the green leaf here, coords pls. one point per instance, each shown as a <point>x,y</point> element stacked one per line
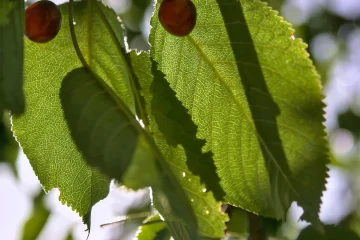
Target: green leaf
<point>210,219</point>
<point>42,130</point>
<point>101,47</point>
<point>111,139</point>
<point>36,222</point>
<point>256,99</point>
<point>177,127</point>
<point>331,233</point>
<point>12,55</point>
<point>152,225</point>
<point>163,234</point>
<point>239,223</point>
<point>106,135</point>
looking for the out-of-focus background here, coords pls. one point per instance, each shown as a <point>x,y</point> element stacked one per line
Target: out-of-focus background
<point>331,28</point>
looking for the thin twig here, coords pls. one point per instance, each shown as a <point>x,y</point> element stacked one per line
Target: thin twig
<point>134,216</point>
<point>256,227</point>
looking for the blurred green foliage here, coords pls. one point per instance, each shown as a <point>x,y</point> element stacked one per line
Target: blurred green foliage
<point>9,148</point>
<point>37,219</point>
<point>332,233</point>
<point>351,122</point>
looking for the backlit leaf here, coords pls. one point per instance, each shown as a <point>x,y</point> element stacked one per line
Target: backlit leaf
<point>256,99</point>
<point>177,127</point>
<point>111,139</point>
<point>209,216</point>
<point>42,130</point>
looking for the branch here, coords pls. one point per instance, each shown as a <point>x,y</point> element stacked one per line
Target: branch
<point>256,227</point>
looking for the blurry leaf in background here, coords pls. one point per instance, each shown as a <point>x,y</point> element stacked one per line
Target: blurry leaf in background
<point>352,221</point>
<point>69,236</point>
<point>37,220</point>
<point>239,223</point>
<point>130,12</point>
<point>5,8</point>
<point>350,121</point>
<point>142,4</point>
<point>331,233</point>
<point>271,225</point>
<point>132,15</point>
<point>12,56</point>
<point>9,148</point>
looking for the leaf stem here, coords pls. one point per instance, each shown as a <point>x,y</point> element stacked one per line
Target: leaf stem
<point>99,80</point>
<point>73,35</point>
<point>157,153</point>
<point>113,95</point>
<point>133,82</point>
<point>256,227</point>
<point>134,216</point>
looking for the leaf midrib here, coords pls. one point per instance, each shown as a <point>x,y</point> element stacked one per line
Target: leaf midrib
<point>242,109</point>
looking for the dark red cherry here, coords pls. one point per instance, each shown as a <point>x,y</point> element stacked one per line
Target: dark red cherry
<point>178,17</point>
<point>42,21</point>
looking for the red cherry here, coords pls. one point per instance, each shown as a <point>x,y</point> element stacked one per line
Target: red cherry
<point>178,17</point>
<point>43,21</point>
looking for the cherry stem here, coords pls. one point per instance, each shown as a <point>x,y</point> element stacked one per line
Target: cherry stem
<point>134,216</point>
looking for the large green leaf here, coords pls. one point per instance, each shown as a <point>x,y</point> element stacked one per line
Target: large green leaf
<point>12,56</point>
<point>209,216</point>
<point>111,139</point>
<point>178,129</point>
<point>259,108</point>
<point>152,225</point>
<point>106,135</point>
<point>42,130</point>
